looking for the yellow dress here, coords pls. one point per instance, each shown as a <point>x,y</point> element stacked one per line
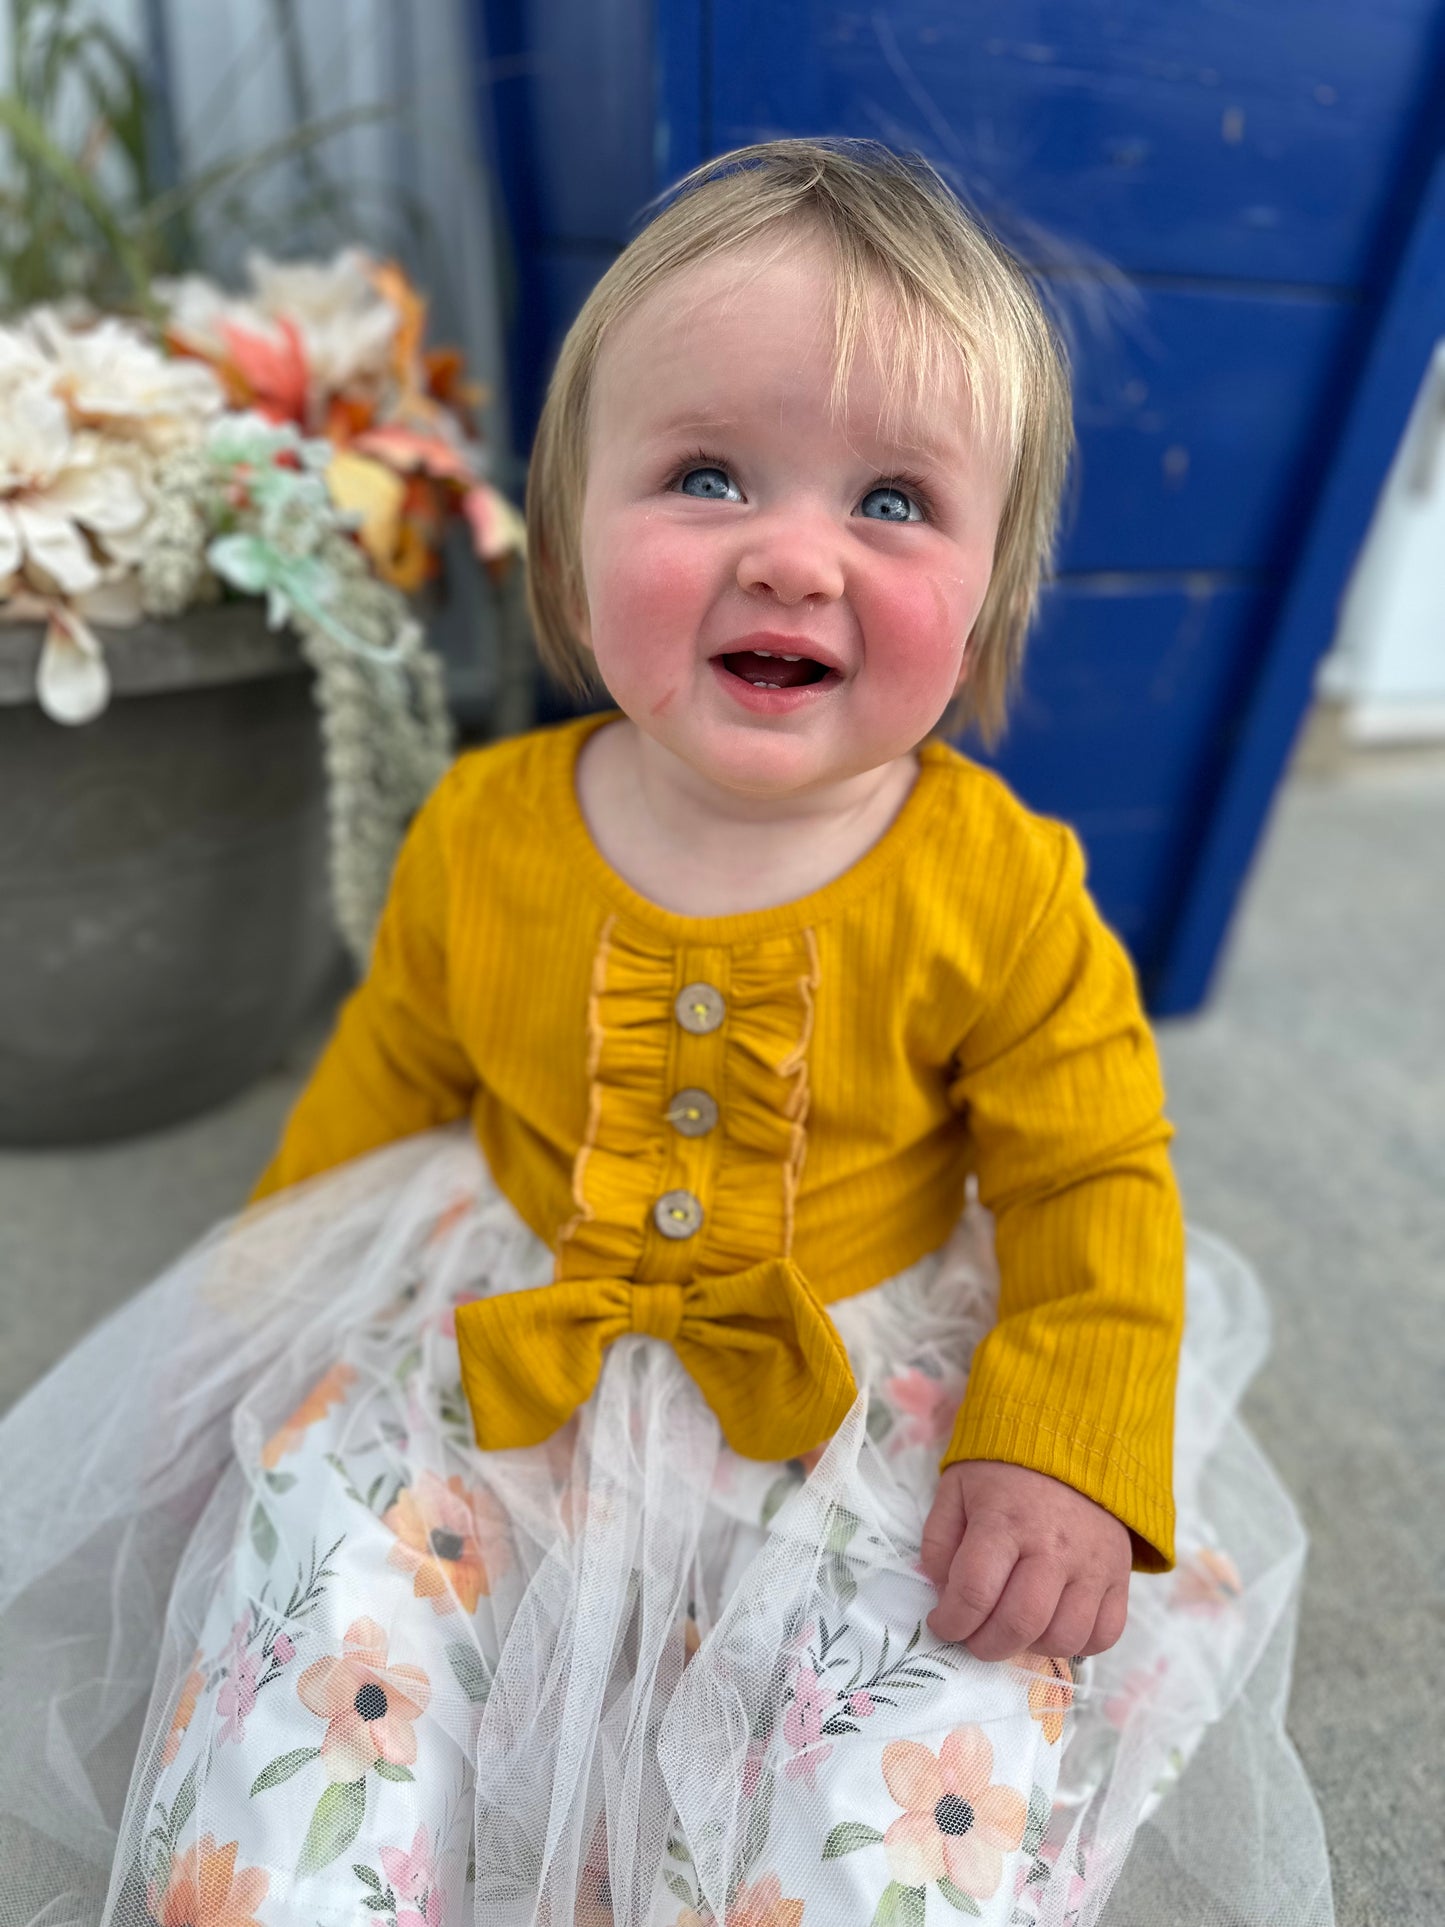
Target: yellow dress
<point>439,1590</point>
<point>806,1090</point>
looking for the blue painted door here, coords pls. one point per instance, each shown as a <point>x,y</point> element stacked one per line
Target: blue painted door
<point>1235,210</point>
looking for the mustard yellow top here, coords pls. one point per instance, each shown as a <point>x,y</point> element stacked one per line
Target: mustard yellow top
<point>721,1124</point>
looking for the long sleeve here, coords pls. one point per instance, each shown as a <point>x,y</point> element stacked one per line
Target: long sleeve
<point>393,1065</point>
<point>1060,1084</point>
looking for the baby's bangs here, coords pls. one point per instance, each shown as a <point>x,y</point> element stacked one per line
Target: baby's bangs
<point>928,351</point>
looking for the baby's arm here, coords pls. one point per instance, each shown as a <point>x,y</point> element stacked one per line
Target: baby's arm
<point>1059,1472</point>
<point>394,1065</point>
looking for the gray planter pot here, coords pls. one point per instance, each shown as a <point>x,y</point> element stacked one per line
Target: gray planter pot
<point>164,920</point>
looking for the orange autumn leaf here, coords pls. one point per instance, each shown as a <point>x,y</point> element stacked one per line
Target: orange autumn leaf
<point>348,416</point>
<point>275,373</point>
<point>391,283</point>
<point>407,450</point>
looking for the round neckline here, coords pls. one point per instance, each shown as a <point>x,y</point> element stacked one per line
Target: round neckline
<point>741,926</point>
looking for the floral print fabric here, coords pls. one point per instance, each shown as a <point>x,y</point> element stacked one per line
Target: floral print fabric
<point>622,1679</point>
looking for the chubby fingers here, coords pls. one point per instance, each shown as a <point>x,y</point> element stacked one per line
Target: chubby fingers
<point>1025,1609</point>
<point>943,1529</point>
<point>978,1574</point>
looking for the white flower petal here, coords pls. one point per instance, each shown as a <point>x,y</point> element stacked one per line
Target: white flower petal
<point>20,361</point>
<point>55,545</point>
<point>11,547</point>
<point>73,685</point>
<point>105,497</point>
<point>35,441</point>
<point>115,604</point>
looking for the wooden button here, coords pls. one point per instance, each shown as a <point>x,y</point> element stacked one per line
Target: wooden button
<point>677,1214</point>
<point>699,1008</point>
<point>692,1113</point>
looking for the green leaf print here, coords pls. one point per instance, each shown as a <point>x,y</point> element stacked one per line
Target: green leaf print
<point>900,1906</point>
<point>185,1804</point>
<point>472,1675</point>
<point>847,1837</point>
<point>841,1528</point>
<point>283,1767</point>
<point>263,1535</point>
<point>390,1772</point>
<point>334,1825</point>
<point>1040,1807</point>
<point>280,1481</point>
<point>956,1897</point>
<point>781,1489</point>
<point>838,1576</point>
<point>759,1821</point>
<point>679,1888</point>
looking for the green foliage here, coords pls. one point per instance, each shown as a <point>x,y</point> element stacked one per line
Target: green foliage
<point>83,213</point>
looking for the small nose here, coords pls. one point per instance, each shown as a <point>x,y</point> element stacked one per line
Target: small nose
<point>792,552</point>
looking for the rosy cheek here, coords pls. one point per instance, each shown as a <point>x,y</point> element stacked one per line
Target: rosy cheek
<point>650,593</point>
<point>925,614</point>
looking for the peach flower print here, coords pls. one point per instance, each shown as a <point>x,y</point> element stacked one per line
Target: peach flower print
<point>368,1704</point>
<point>955,1822</point>
<point>1137,1690</point>
<point>927,1405</point>
<point>1209,1583</point>
<point>452,1537</point>
<point>1051,1694</point>
<point>191,1688</point>
<point>763,1905</point>
<point>326,1392</point>
<point>760,1905</point>
<point>204,1889</point>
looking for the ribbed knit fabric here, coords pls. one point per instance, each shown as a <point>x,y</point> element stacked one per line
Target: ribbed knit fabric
<point>952,1004</point>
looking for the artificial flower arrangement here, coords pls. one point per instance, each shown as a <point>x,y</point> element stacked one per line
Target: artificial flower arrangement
<point>299,443</point>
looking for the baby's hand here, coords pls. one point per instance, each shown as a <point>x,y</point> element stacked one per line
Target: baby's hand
<point>1024,1563</point>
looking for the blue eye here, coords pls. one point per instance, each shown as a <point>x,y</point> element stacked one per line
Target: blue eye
<point>714,484</point>
<point>897,507</point>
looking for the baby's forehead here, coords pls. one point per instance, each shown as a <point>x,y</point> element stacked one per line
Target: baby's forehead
<point>748,332</point>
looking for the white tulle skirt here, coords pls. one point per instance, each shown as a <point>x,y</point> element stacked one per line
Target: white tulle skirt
<point>279,1647</point>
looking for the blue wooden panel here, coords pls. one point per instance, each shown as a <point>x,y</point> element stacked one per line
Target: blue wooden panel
<point>1127,684</point>
<point>682,77</point>
<point>1250,141</point>
<point>1189,419</point>
<point>589,65</point>
<point>1413,320</point>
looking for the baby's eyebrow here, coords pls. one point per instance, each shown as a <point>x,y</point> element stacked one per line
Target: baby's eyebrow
<point>694,423</point>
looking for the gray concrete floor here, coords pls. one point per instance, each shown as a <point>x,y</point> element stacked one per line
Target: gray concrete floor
<point>1310,1103</point>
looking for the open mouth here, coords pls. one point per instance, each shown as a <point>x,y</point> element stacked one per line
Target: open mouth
<point>765,671</point>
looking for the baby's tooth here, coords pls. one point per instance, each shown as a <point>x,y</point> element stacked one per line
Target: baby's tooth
<point>764,652</point>
<point>792,658</point>
<point>766,685</point>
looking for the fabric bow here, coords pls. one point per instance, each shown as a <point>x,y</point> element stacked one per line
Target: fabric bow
<point>762,1351</point>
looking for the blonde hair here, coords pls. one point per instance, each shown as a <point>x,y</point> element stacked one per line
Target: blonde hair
<point>958,299</point>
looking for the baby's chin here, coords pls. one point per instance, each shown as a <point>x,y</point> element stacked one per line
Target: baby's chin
<point>758,764</point>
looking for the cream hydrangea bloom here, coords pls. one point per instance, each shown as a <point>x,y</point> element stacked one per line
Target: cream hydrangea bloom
<point>85,412</point>
<point>112,379</point>
<point>345,324</point>
<point>64,497</point>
